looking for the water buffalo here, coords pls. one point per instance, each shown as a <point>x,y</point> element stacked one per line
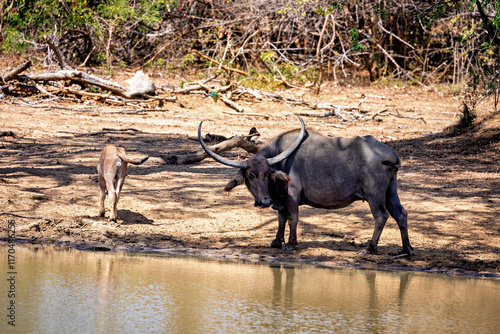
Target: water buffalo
<point>305,167</point>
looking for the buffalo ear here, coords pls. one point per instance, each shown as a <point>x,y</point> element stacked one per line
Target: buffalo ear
<point>279,175</point>
<point>235,182</point>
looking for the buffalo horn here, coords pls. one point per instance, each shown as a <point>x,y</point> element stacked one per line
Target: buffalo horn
<point>216,157</point>
<point>243,164</point>
<point>283,155</point>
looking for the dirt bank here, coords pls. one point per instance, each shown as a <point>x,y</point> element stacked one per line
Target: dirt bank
<point>449,185</point>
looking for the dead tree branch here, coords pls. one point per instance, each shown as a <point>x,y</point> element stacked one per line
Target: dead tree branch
<point>63,64</point>
<point>231,104</point>
<point>20,216</point>
<point>393,61</point>
<point>201,55</point>
<point>21,68</point>
<point>394,35</point>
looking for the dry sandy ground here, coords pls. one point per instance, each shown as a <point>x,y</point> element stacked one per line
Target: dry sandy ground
<point>449,185</point>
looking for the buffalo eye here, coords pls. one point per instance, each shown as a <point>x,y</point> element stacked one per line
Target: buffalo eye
<point>251,175</point>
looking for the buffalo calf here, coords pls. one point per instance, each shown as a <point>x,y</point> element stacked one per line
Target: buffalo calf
<point>111,173</point>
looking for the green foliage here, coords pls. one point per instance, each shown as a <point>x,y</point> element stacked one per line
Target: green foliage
<point>268,56</point>
<point>354,34</point>
<point>294,8</point>
<point>115,10</point>
<point>382,13</point>
<point>263,80</point>
<point>278,67</point>
<point>289,70</point>
<point>435,12</point>
<point>47,16</point>
<point>484,71</point>
<point>183,83</point>
<point>273,81</point>
<point>13,41</point>
<point>335,5</point>
<point>160,62</point>
<point>187,59</point>
<point>36,19</point>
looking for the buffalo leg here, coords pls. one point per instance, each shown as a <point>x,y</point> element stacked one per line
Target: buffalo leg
<point>110,185</point>
<point>380,215</point>
<point>102,196</point>
<point>397,212</point>
<point>120,179</point>
<point>280,235</point>
<point>293,219</point>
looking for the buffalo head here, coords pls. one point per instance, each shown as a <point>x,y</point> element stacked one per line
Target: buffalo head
<point>267,185</point>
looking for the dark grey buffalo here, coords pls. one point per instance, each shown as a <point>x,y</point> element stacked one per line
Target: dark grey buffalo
<point>304,167</point>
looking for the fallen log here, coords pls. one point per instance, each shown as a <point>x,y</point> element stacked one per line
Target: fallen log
<point>83,78</point>
<point>236,141</point>
<point>232,104</point>
<point>21,68</point>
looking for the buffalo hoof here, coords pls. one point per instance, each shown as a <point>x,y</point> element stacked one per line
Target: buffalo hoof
<point>275,244</point>
<point>289,247</point>
<point>368,250</point>
<point>407,250</point>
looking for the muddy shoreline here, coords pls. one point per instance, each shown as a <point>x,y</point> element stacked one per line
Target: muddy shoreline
<point>233,255</point>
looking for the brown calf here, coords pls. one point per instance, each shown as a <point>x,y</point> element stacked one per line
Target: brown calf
<point>111,173</point>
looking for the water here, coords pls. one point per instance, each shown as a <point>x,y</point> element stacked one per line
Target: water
<point>70,291</point>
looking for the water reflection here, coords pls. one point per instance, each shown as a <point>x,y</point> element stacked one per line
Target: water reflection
<point>64,291</point>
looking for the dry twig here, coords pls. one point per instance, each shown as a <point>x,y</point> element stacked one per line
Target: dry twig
<point>201,55</point>
<point>104,131</point>
<point>20,216</point>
